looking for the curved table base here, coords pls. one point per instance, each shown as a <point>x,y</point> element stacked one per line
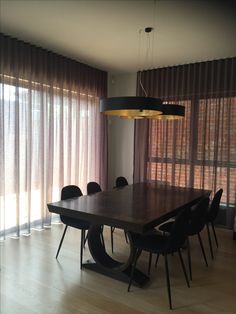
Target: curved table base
<point>106,265</point>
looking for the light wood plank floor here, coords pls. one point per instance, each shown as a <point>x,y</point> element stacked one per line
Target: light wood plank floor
<point>33,281</point>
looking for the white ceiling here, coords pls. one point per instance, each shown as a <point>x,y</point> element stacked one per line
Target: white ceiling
<point>105,34</point>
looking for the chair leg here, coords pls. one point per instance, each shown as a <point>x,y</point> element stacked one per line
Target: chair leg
<point>82,247</point>
<point>156,260</point>
<point>136,255</point>
<point>168,281</point>
<point>126,238</point>
<point>209,238</point>
<point>149,264</point>
<point>102,238</point>
<point>202,247</point>
<point>183,267</point>
<point>112,244</point>
<point>214,232</point>
<point>62,238</point>
<point>85,238</point>
<point>189,259</point>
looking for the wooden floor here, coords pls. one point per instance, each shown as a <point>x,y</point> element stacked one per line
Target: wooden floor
<point>33,281</point>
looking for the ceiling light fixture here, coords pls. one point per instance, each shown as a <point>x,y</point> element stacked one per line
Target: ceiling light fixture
<point>141,107</point>
<point>170,112</point>
<point>131,107</point>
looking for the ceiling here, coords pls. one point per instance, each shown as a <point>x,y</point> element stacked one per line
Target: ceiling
<point>105,34</point>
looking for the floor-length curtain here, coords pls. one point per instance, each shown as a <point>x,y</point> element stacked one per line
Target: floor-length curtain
<point>51,132</point>
<point>200,150</point>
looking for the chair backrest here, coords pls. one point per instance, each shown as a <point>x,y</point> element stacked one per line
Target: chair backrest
<point>197,219</point>
<point>121,181</point>
<point>178,232</point>
<point>70,191</point>
<point>93,187</point>
<point>215,206</point>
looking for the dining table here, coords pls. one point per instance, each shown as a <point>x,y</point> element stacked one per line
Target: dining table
<point>135,208</point>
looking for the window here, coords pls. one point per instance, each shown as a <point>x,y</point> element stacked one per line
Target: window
<point>199,151</point>
<point>50,137</point>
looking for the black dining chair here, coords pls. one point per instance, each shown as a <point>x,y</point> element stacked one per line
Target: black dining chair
<point>165,245</point>
<point>211,216</point>
<point>197,221</point>
<point>71,191</point>
<point>92,188</point>
<point>120,182</point>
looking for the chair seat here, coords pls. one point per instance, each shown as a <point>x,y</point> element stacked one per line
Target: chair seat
<point>165,227</point>
<point>75,223</point>
<point>153,243</point>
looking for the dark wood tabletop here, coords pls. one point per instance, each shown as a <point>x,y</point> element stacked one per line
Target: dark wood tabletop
<point>137,207</point>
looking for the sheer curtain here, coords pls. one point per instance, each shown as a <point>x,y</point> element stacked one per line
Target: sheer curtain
<point>200,150</point>
<point>51,132</point>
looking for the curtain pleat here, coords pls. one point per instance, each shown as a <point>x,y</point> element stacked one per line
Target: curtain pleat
<point>197,151</point>
<point>51,132</point>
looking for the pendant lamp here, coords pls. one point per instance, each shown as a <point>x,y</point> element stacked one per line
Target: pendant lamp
<point>141,107</point>
<point>170,112</point>
<point>131,107</point>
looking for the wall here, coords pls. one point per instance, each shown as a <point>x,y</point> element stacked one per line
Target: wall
<point>120,131</point>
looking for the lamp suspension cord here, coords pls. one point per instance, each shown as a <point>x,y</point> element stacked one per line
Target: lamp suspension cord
<point>149,55</point>
<point>153,35</point>
<point>139,57</point>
